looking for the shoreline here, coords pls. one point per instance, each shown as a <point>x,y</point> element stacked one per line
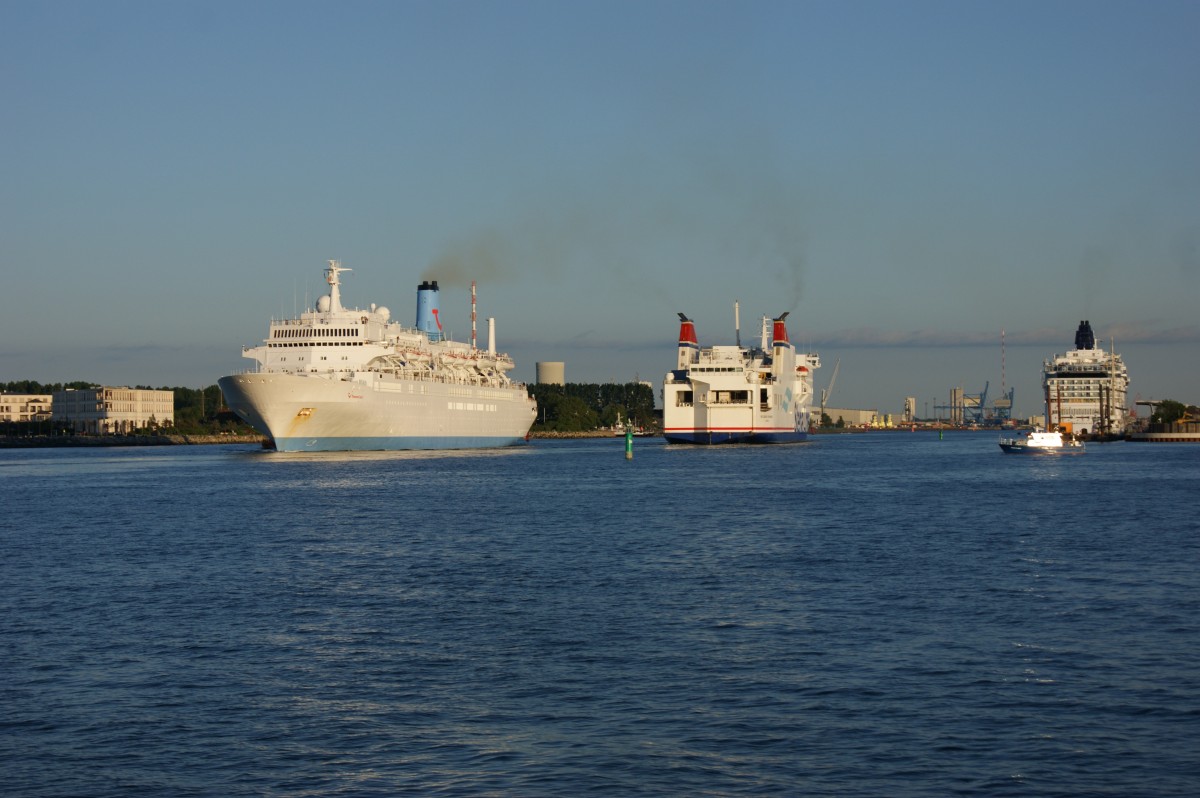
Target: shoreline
<point>80,441</point>
<point>84,441</point>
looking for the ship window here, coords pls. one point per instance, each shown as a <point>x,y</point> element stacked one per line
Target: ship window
<point>683,398</point>
<point>732,397</point>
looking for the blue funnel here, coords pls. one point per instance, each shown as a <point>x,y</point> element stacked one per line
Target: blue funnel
<point>427,310</point>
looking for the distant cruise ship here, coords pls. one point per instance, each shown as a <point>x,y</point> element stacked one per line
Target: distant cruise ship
<point>1085,388</point>
<point>338,379</point>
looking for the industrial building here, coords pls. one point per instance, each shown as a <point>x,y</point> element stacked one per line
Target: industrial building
<point>851,417</point>
<point>551,372</point>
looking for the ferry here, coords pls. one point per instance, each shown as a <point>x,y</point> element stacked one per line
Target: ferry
<point>736,394</point>
<point>347,379</point>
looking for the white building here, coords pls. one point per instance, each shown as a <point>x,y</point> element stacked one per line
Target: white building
<point>25,406</point>
<point>114,410</point>
<point>852,417</point>
<point>1086,387</point>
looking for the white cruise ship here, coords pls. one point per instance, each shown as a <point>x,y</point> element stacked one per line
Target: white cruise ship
<point>734,394</point>
<point>1085,388</point>
<point>339,379</point>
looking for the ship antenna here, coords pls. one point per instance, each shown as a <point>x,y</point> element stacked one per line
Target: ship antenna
<point>473,314</point>
<point>737,324</point>
<point>331,276</point>
<point>1003,385</point>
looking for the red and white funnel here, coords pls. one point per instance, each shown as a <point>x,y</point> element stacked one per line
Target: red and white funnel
<point>689,347</point>
<point>783,355</point>
<point>779,336</point>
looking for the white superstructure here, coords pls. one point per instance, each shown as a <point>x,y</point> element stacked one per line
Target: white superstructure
<point>735,394</point>
<point>1085,388</point>
<point>338,379</point>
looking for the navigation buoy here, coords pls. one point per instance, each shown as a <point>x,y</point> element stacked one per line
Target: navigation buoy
<point>628,443</point>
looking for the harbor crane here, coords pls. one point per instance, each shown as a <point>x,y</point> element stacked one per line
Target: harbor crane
<point>1002,407</point>
<point>827,391</point>
<point>966,408</point>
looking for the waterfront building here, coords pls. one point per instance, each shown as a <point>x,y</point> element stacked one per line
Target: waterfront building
<point>25,407</point>
<point>1085,388</point>
<point>106,410</point>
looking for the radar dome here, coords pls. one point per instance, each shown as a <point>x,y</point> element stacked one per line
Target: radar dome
<point>323,304</point>
<point>383,312</point>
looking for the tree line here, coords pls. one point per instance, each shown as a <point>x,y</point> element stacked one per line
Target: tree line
<point>574,407</point>
<point>1169,411</point>
<point>198,411</point>
<point>586,406</point>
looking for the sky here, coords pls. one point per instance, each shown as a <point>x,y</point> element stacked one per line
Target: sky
<point>937,192</point>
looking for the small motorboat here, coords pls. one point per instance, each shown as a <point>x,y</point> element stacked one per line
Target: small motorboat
<point>1040,441</point>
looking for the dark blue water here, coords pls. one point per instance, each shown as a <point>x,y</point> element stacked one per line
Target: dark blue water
<point>869,615</point>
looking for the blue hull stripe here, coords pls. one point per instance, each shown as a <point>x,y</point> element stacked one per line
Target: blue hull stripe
<point>377,444</point>
<point>745,436</point>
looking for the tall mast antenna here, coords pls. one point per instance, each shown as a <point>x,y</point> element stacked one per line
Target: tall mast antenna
<point>1003,385</point>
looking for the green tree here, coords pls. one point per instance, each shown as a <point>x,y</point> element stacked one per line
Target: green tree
<point>574,415</point>
<point>632,400</point>
<point>1168,412</point>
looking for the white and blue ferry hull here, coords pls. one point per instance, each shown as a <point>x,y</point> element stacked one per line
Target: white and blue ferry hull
<point>707,437</point>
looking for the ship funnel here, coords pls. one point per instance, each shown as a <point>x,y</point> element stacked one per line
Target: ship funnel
<point>1084,337</point>
<point>783,358</point>
<point>427,310</point>
<point>689,347</point>
<point>779,336</point>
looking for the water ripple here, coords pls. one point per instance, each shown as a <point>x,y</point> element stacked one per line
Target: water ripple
<point>863,616</point>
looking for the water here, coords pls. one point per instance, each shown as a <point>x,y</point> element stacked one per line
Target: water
<point>867,615</point>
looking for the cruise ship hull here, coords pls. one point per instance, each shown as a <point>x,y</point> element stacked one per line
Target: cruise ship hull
<point>302,413</point>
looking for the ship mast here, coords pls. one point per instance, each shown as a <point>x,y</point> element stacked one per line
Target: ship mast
<point>331,276</point>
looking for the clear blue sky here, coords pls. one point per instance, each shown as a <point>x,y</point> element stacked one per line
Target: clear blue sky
<point>907,178</point>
